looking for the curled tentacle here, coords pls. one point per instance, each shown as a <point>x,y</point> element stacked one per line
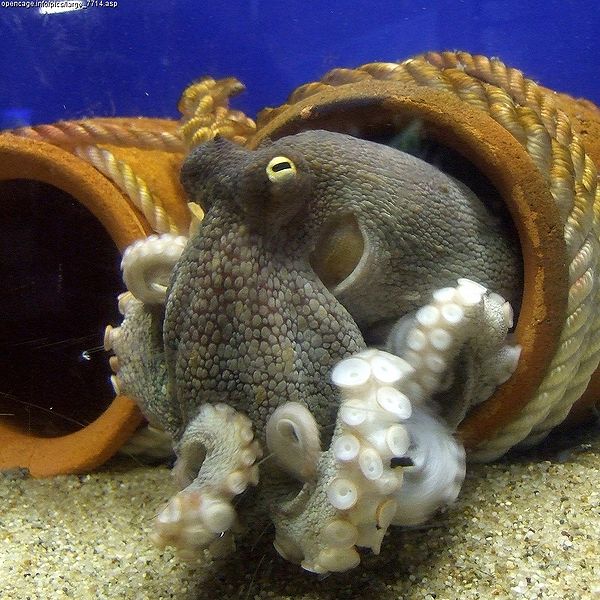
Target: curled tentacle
<point>293,438</point>
<point>356,497</point>
<point>216,462</point>
<point>139,364</point>
<point>147,265</point>
<point>390,460</point>
<point>353,499</point>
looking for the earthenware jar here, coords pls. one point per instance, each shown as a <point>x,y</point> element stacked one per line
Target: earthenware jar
<point>539,150</point>
<point>72,197</point>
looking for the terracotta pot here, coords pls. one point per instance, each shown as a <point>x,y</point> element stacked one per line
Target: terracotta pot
<point>463,102</point>
<point>484,112</point>
<point>43,176</point>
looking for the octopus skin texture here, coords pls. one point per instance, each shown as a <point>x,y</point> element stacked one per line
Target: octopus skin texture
<point>314,343</point>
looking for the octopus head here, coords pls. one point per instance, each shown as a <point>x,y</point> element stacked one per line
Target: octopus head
<point>268,187</point>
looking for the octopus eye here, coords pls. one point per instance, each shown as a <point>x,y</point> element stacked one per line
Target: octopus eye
<point>280,169</point>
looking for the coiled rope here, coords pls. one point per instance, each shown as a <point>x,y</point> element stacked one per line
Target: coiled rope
<point>205,111</point>
<point>529,113</point>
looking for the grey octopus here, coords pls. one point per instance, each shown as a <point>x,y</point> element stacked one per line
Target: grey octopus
<point>312,345</point>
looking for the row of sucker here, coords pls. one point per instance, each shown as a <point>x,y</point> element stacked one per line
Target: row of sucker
<point>202,515</point>
<point>386,434</point>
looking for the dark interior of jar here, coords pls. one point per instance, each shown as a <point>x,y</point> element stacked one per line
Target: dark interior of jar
<point>60,274</point>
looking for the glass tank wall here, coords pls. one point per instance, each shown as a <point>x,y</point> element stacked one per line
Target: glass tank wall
<point>135,58</point>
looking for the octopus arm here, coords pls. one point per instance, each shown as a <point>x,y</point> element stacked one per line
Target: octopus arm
<point>216,462</point>
<point>392,460</point>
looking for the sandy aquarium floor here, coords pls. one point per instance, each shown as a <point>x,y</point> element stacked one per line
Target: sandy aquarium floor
<point>528,527</point>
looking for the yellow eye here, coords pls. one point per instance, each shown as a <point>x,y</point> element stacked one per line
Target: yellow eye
<point>280,169</point>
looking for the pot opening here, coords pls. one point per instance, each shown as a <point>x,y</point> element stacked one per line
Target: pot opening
<point>379,111</point>
<point>60,272</point>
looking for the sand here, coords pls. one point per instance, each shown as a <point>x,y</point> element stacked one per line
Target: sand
<point>528,527</point>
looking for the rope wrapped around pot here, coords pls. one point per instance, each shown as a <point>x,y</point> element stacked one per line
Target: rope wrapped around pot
<point>517,133</point>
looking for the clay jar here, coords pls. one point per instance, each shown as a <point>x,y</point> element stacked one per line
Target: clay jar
<point>64,227</point>
<point>377,101</point>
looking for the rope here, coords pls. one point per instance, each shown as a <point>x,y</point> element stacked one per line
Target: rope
<point>122,175</point>
<point>205,111</point>
<point>529,113</point>
<point>69,134</point>
<point>81,137</point>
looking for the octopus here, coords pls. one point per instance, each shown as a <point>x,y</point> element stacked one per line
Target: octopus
<point>312,345</point>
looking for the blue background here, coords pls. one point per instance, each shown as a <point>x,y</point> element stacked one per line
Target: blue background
<point>136,59</point>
